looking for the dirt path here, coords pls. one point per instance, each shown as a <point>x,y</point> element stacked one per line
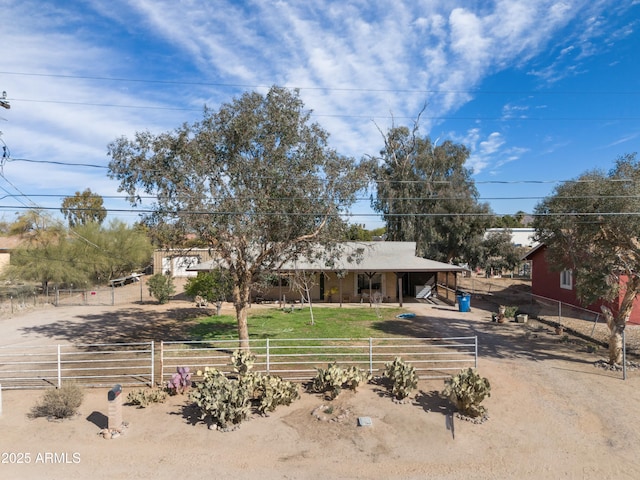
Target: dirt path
<point>552,415</point>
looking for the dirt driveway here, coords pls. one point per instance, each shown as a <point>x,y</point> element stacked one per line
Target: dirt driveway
<point>553,414</point>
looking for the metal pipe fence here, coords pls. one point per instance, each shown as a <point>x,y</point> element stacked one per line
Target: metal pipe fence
<point>140,364</point>
<point>88,365</point>
<point>298,359</point>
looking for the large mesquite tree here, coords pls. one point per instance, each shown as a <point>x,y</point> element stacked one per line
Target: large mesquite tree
<point>426,194</point>
<point>592,226</point>
<point>256,180</point>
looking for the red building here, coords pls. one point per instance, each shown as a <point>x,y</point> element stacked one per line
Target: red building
<point>560,286</point>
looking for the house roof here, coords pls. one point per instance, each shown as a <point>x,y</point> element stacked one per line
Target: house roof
<point>11,242</point>
<point>365,257</point>
<point>532,253</point>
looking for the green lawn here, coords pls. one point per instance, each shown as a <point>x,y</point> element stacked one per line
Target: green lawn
<point>329,322</point>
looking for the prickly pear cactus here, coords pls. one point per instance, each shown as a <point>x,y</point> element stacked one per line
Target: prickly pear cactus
<point>402,377</point>
<point>242,361</point>
<point>334,378</point>
<point>220,400</point>
<point>467,390</point>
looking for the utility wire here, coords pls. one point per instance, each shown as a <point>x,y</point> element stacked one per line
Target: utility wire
<point>343,215</point>
<point>393,182</point>
<point>331,89</point>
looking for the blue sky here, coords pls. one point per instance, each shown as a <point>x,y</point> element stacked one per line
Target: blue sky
<point>539,90</point>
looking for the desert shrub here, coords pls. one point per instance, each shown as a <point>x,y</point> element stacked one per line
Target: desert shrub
<point>161,287</point>
<point>466,391</point>
<point>180,381</point>
<point>143,397</point>
<point>334,378</point>
<point>401,377</point>
<point>59,403</point>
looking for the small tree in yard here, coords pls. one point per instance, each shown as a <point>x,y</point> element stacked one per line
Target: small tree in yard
<point>161,287</point>
<point>591,226</point>
<point>303,282</point>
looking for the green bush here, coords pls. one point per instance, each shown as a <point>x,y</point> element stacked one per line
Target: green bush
<point>59,403</point>
<point>161,287</point>
<point>466,391</point>
<point>402,378</point>
<point>214,286</point>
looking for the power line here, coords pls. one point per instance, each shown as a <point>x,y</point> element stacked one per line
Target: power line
<point>331,89</point>
<point>339,115</point>
<point>340,215</point>
<point>394,182</point>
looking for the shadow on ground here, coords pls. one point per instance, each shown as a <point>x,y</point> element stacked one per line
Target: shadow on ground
<point>532,340</point>
<point>124,325</point>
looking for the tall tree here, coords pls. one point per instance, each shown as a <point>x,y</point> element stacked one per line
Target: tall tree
<point>111,252</point>
<point>88,254</point>
<point>256,180</point>
<point>591,226</point>
<point>496,252</point>
<point>46,255</point>
<point>83,208</point>
<point>427,195</point>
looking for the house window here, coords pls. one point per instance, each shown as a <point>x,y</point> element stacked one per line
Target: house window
<point>566,279</point>
<point>363,282</point>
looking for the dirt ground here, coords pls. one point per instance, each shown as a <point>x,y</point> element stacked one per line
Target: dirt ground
<point>553,415</point>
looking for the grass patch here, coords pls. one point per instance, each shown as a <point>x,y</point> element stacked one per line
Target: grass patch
<point>275,323</point>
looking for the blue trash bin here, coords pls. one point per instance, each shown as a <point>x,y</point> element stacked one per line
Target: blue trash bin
<point>464,302</point>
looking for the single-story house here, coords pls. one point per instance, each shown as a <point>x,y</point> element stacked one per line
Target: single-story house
<point>560,286</point>
<point>364,271</point>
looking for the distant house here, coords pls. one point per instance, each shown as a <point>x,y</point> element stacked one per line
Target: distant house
<point>560,286</point>
<point>390,271</point>
<point>176,262</point>
<point>520,237</point>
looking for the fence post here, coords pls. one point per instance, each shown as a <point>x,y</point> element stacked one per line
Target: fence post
<point>624,355</point>
<point>59,368</point>
<point>161,361</point>
<point>268,358</point>
<point>113,295</point>
<point>370,355</point>
<point>559,312</point>
<point>475,339</point>
<point>152,361</point>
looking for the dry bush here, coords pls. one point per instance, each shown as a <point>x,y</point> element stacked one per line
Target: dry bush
<point>59,403</point>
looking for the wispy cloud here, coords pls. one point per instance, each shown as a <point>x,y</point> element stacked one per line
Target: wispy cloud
<point>358,65</point>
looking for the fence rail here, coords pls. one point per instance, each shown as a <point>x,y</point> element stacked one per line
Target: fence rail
<point>135,364</point>
<point>298,359</point>
<point>89,365</point>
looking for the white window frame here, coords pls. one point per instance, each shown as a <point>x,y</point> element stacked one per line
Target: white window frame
<point>566,279</point>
